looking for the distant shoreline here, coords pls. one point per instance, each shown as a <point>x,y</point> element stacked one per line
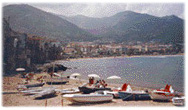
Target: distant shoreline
<point>125,56</point>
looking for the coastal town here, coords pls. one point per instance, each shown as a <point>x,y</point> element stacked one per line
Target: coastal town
<point>28,50</point>
<point>126,59</point>
<point>91,49</point>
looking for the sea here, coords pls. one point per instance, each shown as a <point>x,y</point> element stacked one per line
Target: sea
<point>147,71</point>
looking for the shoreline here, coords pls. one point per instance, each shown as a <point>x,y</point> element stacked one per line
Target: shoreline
<point>13,98</point>
<point>124,56</point>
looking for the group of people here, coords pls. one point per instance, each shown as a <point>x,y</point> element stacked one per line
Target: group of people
<point>98,83</point>
<point>30,76</point>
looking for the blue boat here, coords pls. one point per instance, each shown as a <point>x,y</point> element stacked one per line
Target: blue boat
<point>134,95</point>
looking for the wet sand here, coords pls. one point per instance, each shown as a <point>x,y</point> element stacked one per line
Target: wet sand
<point>11,97</point>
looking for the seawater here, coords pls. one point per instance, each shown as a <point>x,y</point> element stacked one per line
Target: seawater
<point>148,71</point>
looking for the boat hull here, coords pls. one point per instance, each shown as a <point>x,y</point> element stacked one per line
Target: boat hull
<point>28,86</point>
<point>45,94</point>
<point>86,90</point>
<point>56,83</point>
<point>35,85</point>
<point>178,101</point>
<point>114,93</point>
<point>87,98</point>
<point>155,96</point>
<point>126,96</point>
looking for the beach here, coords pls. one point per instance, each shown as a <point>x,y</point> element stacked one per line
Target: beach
<point>11,97</point>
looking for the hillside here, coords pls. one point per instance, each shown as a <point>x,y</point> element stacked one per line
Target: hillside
<point>30,20</point>
<point>131,26</point>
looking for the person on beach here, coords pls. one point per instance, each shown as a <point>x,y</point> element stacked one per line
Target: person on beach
<point>104,83</point>
<point>97,84</point>
<point>91,81</point>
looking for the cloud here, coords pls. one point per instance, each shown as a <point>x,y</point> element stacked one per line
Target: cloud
<point>109,9</point>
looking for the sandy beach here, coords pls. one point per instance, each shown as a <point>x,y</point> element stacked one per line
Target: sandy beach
<point>11,97</point>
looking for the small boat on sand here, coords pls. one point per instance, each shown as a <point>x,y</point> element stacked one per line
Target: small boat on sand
<point>26,86</point>
<point>68,91</point>
<point>57,81</point>
<point>134,95</point>
<point>31,91</point>
<point>46,92</point>
<point>99,96</point>
<point>129,94</point>
<point>178,101</point>
<point>115,91</point>
<point>87,90</point>
<point>40,92</point>
<point>163,94</point>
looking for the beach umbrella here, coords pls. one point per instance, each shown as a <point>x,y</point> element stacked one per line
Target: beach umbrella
<point>114,77</point>
<point>20,69</point>
<point>75,74</point>
<point>94,75</point>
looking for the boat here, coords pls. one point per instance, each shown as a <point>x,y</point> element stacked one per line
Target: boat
<point>163,94</point>
<point>31,91</point>
<point>178,101</point>
<point>26,86</point>
<point>134,95</point>
<point>87,90</point>
<point>57,80</point>
<point>99,96</point>
<point>128,94</point>
<point>45,92</point>
<point>37,91</point>
<point>115,91</point>
<point>68,91</point>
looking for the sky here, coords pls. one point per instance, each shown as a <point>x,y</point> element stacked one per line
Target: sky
<point>99,10</point>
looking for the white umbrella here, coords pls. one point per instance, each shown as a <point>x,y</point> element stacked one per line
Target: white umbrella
<point>94,75</point>
<point>20,69</point>
<point>114,77</point>
<point>75,74</point>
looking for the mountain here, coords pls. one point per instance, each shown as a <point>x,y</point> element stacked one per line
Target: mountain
<point>30,20</point>
<point>103,24</point>
<point>93,25</point>
<point>132,26</point>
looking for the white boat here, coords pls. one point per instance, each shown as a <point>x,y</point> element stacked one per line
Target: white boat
<point>45,93</point>
<point>178,101</point>
<point>99,96</point>
<point>27,86</point>
<point>68,91</point>
<point>114,92</point>
<point>40,92</point>
<point>163,94</point>
<point>31,91</point>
